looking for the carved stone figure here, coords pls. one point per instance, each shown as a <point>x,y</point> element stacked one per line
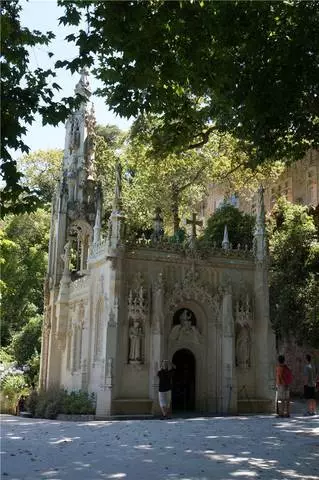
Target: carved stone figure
<point>243,346</point>
<point>185,330</point>
<point>135,342</point>
<point>66,256</point>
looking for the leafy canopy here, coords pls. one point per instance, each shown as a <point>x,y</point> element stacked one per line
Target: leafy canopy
<point>24,243</point>
<point>178,183</point>
<point>247,68</point>
<point>294,279</point>
<point>25,93</point>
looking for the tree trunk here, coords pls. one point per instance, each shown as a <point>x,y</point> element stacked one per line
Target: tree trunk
<point>175,199</point>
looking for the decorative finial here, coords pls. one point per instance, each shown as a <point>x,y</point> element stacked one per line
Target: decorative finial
<point>83,86</point>
<point>117,202</point>
<point>260,217</point>
<point>225,242</point>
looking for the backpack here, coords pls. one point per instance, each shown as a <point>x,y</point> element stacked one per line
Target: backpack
<point>287,375</point>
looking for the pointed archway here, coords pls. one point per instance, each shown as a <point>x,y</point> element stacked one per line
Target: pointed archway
<point>183,394</point>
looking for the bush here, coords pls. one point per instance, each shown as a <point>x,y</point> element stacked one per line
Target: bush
<point>240,226</point>
<point>78,403</point>
<point>5,357</point>
<point>49,403</point>
<point>27,342</point>
<point>42,399</point>
<point>12,387</point>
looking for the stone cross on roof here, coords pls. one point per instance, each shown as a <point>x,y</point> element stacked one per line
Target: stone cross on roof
<point>194,223</point>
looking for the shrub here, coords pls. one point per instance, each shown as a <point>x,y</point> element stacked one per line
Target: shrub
<point>49,403</point>
<point>78,403</point>
<point>12,386</point>
<point>239,225</point>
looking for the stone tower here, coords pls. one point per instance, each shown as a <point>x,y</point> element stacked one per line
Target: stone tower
<point>72,221</point>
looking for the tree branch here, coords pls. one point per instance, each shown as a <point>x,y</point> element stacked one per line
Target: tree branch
<point>193,179</point>
<point>205,138</point>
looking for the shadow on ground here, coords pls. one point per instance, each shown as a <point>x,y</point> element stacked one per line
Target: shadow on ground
<point>198,448</point>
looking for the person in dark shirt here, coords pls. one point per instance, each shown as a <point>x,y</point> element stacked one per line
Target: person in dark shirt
<point>165,375</point>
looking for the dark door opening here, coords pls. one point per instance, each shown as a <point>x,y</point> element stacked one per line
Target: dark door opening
<point>183,394</point>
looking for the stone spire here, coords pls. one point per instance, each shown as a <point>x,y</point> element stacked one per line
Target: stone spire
<point>97,225</point>
<point>117,201</point>
<point>83,85</point>
<point>79,151</point>
<point>225,242</point>
<point>260,227</point>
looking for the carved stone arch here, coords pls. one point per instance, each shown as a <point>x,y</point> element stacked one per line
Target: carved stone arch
<point>80,234</point>
<point>193,289</point>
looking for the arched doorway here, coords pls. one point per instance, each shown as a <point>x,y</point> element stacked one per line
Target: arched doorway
<point>183,394</point>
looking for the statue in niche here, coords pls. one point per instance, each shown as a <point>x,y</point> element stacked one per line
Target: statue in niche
<point>66,255</point>
<point>135,342</point>
<point>243,345</point>
<point>185,330</point>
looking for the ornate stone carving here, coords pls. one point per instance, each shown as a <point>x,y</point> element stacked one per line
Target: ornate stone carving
<point>243,346</point>
<point>135,342</point>
<point>137,312</point>
<point>158,307</point>
<point>243,326</point>
<point>185,331</point>
<point>66,256</point>
<point>192,288</point>
<point>243,310</point>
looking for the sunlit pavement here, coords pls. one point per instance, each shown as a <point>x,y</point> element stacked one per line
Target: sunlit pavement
<point>223,448</point>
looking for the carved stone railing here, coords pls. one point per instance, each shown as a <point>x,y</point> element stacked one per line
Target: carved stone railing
<point>98,249</point>
<point>79,284</point>
<point>197,249</point>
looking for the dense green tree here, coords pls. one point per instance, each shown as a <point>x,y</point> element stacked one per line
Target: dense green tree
<point>25,93</point>
<point>239,225</point>
<point>294,276</point>
<point>41,171</point>
<point>247,68</point>
<point>26,343</point>
<point>178,183</point>
<point>112,134</point>
<point>24,245</point>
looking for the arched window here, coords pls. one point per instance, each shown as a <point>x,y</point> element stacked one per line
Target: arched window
<point>80,234</point>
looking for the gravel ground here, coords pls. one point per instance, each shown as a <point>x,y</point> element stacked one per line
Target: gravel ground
<point>198,448</point>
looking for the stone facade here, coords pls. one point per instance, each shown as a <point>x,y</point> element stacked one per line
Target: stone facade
<point>299,183</point>
<point>114,310</point>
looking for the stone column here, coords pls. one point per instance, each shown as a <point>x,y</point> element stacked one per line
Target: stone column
<point>265,355</point>
<point>46,329</point>
<point>265,352</point>
<point>156,342</point>
<point>229,387</point>
<point>108,385</point>
<point>85,347</point>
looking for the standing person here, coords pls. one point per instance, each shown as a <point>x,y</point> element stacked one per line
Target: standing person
<point>310,386</point>
<point>165,375</point>
<point>283,380</point>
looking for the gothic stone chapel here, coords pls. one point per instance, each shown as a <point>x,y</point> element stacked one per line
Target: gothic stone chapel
<point>115,309</point>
